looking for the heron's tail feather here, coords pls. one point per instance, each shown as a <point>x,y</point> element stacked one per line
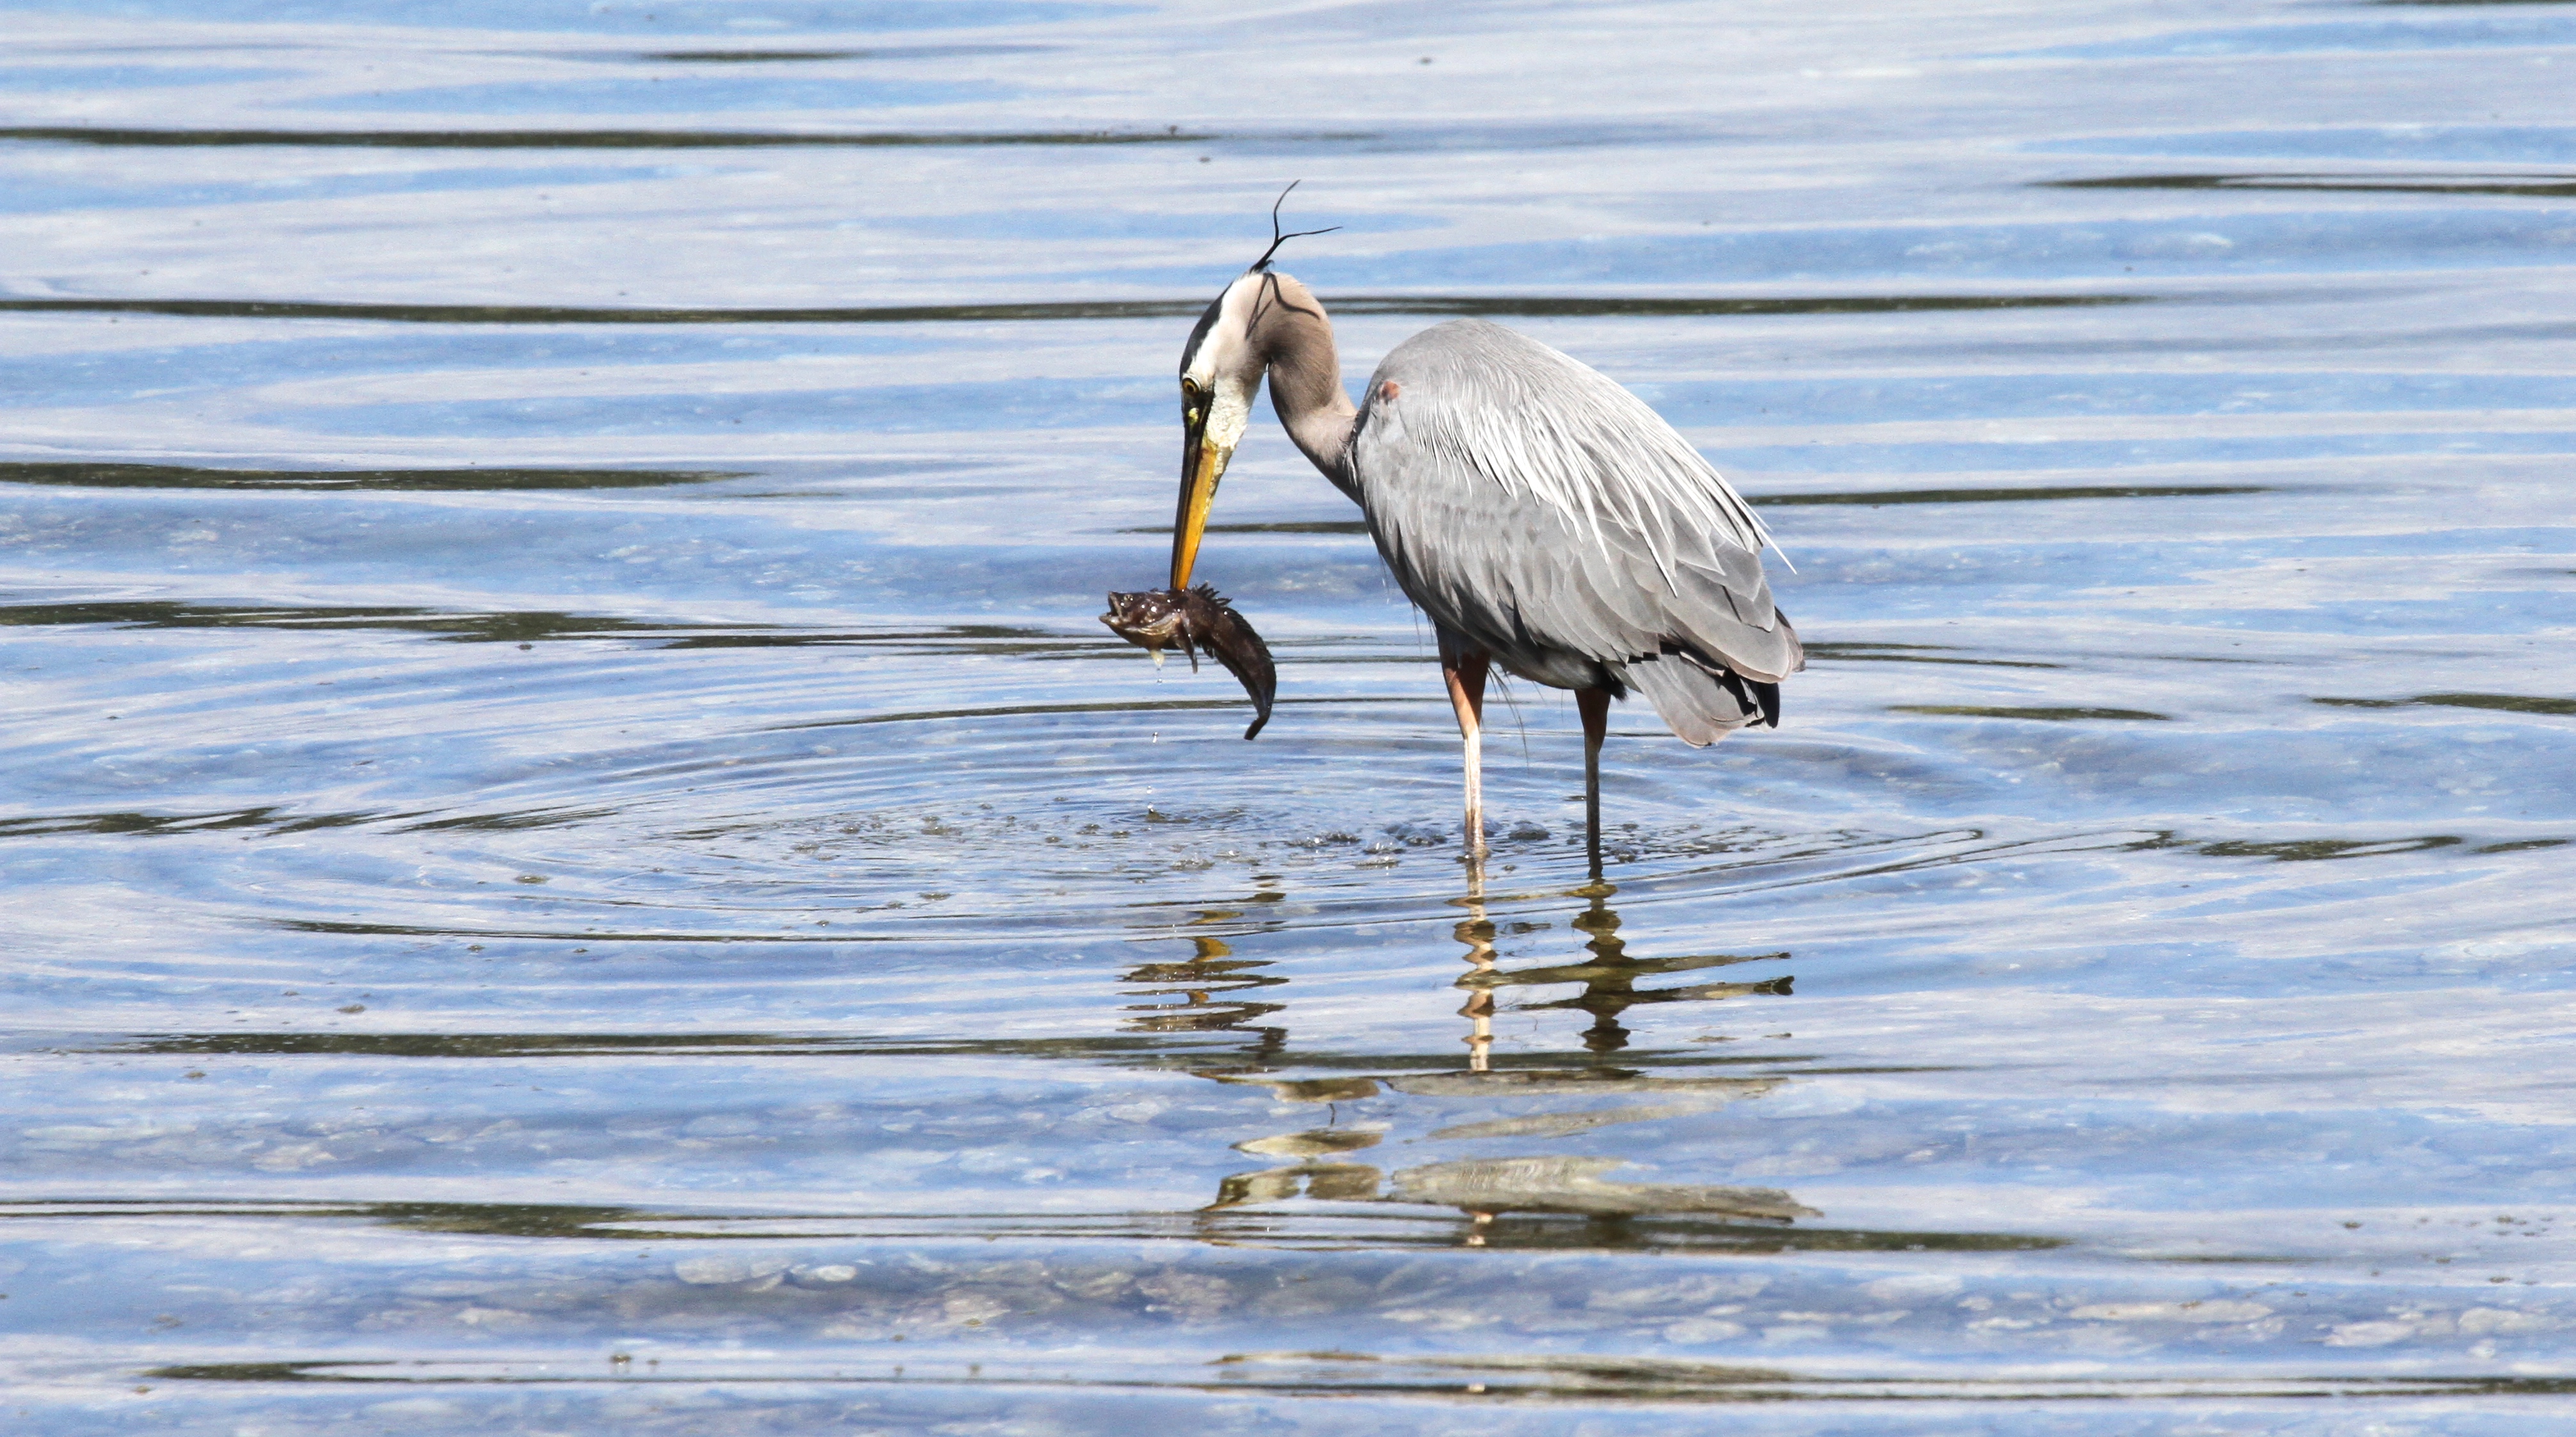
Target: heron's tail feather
<point>1701,706</point>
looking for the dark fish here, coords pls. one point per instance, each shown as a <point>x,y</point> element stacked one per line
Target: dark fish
<point>1198,620</point>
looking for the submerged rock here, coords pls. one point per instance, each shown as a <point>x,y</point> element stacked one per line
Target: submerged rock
<point>1573,1185</point>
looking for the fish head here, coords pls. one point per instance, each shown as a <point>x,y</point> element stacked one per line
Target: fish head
<point>1150,619</point>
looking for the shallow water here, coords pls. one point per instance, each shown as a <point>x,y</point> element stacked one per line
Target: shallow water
<point>576,858</point>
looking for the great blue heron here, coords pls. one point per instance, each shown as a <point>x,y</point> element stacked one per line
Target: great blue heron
<point>1546,519</point>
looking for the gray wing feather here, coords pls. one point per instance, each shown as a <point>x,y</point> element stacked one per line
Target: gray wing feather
<point>1549,516</point>
<point>1689,700</point>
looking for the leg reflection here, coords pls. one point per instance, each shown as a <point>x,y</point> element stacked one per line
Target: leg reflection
<point>1613,990</point>
<point>1477,932</point>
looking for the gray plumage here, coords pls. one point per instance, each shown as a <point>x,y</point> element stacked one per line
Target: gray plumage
<point>1545,518</point>
<point>1550,518</point>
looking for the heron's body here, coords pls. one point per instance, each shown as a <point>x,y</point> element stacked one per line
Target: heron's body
<point>1544,518</point>
<point>1547,517</point>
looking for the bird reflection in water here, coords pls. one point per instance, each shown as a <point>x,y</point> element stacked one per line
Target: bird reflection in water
<point>1609,976</point>
<point>1484,1188</point>
<point>1204,984</point>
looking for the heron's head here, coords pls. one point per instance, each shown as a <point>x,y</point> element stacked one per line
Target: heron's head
<point>1221,366</point>
<point>1220,370</point>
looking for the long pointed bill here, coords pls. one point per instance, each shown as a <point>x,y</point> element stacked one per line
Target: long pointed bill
<point>1202,465</point>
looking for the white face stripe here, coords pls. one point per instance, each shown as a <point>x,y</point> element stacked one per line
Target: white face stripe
<point>1231,413</point>
<point>1225,368</point>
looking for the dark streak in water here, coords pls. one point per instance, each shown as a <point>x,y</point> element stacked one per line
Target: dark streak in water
<point>2306,850</point>
<point>1199,1053</point>
<point>190,476</point>
<point>2313,850</point>
<point>2524,185</point>
<point>1507,305</point>
<point>751,57</point>
<point>890,52</point>
<point>1912,654</point>
<point>501,1045</point>
<point>2044,715</point>
<point>1584,306</point>
<point>459,628</point>
<point>580,314</point>
<point>1348,1375</point>
<point>1343,1229</point>
<point>270,819</point>
<point>586,935</point>
<point>510,822</point>
<point>1152,706</point>
<point>1874,497</point>
<point>2507,703</point>
<point>605,139</point>
<point>273,819</point>
<point>529,627</point>
<point>650,1045</point>
<point>1660,1380</point>
<point>1685,1380</point>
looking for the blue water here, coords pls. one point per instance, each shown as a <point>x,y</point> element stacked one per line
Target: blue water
<point>575,859</point>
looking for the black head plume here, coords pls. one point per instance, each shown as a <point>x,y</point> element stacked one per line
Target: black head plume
<point>1276,238</point>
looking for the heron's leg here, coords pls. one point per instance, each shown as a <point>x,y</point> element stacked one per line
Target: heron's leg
<point>1465,670</point>
<point>1463,667</point>
<point>1594,705</point>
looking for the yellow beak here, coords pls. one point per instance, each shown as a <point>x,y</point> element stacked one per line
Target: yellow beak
<point>1202,465</point>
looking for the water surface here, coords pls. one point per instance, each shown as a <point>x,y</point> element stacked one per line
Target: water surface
<point>576,858</point>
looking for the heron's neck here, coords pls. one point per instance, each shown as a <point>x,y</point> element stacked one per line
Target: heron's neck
<point>1306,378</point>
